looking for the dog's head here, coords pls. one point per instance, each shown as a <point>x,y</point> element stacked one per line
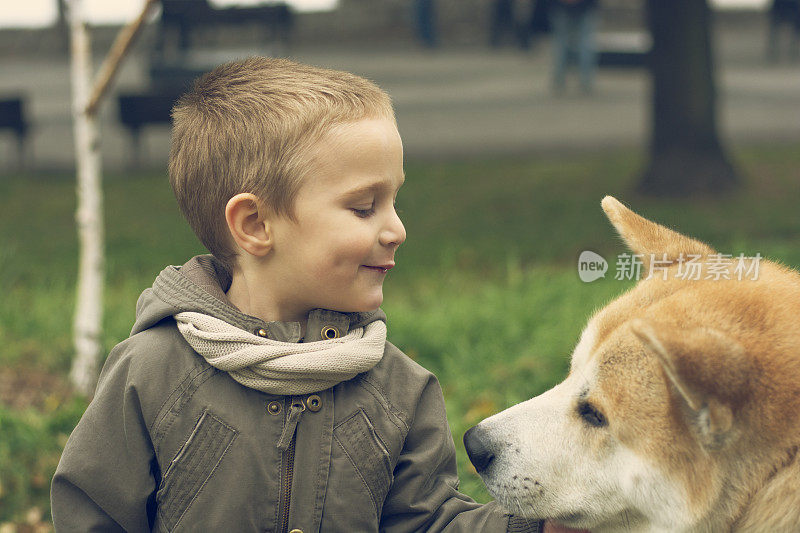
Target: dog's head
<point>681,395</point>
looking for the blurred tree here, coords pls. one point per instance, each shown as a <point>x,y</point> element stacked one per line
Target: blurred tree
<point>86,98</point>
<point>686,155</point>
<point>87,323</point>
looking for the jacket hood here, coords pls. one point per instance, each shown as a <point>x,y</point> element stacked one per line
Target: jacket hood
<point>200,285</point>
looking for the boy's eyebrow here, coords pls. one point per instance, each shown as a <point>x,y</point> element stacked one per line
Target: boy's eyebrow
<point>370,188</point>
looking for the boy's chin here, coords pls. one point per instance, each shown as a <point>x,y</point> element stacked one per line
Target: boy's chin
<point>364,306</point>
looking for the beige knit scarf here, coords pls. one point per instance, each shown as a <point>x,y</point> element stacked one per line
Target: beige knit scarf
<point>282,367</point>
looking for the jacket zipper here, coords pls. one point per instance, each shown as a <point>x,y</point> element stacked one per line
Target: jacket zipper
<point>296,408</point>
<point>288,473</point>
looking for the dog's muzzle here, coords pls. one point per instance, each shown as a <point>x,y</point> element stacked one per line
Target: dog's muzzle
<point>479,448</point>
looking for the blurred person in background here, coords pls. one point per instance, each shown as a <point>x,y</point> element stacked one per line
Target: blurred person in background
<point>501,22</point>
<point>511,21</point>
<point>425,15</point>
<point>783,13</point>
<point>540,21</point>
<point>574,23</point>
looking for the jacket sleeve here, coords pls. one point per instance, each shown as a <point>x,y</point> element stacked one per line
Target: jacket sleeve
<point>424,494</point>
<point>105,480</point>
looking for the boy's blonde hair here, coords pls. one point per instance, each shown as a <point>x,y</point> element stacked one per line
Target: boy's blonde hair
<point>247,126</point>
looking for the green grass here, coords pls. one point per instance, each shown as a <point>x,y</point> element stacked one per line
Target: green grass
<point>493,342</point>
<point>485,294</point>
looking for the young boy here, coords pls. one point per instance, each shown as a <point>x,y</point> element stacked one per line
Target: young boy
<point>257,391</point>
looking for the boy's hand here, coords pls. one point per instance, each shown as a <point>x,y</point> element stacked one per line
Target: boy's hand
<point>552,527</point>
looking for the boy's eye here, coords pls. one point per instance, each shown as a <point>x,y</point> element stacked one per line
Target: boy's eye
<point>364,213</point>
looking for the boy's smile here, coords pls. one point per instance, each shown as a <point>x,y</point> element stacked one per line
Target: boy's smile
<point>337,251</point>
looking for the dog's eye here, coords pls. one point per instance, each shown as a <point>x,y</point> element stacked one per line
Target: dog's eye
<point>591,416</point>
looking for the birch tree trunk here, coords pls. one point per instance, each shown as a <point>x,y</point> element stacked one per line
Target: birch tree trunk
<point>87,324</point>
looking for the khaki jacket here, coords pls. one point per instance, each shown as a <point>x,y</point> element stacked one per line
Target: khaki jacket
<point>170,443</point>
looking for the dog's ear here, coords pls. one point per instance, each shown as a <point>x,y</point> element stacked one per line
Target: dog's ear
<point>708,369</point>
<point>648,238</point>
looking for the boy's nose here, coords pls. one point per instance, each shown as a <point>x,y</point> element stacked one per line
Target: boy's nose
<point>394,234</point>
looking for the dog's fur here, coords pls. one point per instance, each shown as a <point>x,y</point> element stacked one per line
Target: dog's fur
<point>681,411</point>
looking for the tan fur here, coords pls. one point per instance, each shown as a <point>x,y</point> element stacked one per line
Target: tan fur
<point>776,505</point>
<point>703,378</point>
<point>645,237</point>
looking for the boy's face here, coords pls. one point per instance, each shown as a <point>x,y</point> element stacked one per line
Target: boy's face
<point>336,253</point>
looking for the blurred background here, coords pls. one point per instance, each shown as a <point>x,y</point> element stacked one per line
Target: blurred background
<point>688,111</point>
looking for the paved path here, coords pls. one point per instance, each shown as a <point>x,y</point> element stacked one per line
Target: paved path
<point>452,103</point>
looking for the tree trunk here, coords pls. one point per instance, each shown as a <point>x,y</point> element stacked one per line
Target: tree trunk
<point>89,215</point>
<point>86,99</point>
<point>686,155</point>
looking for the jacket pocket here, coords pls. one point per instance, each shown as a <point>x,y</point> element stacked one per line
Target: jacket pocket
<point>363,446</point>
<point>192,467</point>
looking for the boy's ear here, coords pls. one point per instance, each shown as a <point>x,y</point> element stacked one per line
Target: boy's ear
<point>247,222</point>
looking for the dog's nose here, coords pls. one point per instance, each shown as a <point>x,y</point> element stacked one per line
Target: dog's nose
<point>480,454</point>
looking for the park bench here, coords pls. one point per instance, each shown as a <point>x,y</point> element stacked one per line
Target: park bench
<point>185,17</point>
<point>12,117</point>
<point>169,78</point>
<point>137,110</point>
<point>154,105</point>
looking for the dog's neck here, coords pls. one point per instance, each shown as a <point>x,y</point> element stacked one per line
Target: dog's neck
<point>775,504</point>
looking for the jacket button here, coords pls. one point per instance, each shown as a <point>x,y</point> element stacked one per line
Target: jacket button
<point>274,408</point>
<point>314,403</point>
<point>329,332</point>
<point>261,332</point>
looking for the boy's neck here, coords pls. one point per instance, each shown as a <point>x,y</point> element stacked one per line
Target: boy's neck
<point>243,296</point>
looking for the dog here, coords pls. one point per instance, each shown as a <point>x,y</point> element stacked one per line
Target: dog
<point>681,409</point>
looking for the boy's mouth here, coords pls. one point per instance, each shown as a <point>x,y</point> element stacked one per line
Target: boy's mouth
<point>380,268</point>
